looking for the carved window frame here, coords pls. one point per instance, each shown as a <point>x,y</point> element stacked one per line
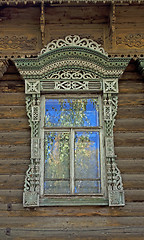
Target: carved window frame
<point>66,66</point>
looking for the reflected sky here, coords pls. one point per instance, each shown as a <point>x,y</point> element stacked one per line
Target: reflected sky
<point>71,113</point>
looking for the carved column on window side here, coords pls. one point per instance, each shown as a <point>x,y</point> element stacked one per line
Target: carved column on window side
<point>115,186</point>
<point>31,185</point>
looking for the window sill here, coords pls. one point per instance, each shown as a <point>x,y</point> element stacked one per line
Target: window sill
<point>72,201</point>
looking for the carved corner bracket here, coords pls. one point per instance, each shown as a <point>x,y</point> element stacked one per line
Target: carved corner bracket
<point>68,65</point>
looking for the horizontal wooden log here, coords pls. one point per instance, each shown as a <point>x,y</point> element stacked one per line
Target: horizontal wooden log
<point>131,233</point>
<point>11,86</point>
<point>13,167</point>
<point>129,152</point>
<point>12,112</point>
<point>130,99</point>
<point>11,196</point>
<point>131,166</point>
<point>131,86</point>
<point>130,112</point>
<point>12,99</point>
<point>14,152</point>
<point>129,139</point>
<point>134,195</point>
<point>15,138</point>
<point>133,181</point>
<point>11,182</point>
<point>9,125</point>
<point>132,125</point>
<point>70,223</point>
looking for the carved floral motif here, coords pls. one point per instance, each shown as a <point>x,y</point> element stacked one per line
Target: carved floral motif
<point>131,40</point>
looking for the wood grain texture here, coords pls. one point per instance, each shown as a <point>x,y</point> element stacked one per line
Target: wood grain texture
<point>87,222</point>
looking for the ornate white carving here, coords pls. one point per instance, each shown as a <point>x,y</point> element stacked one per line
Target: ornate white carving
<point>47,86</point>
<point>107,112</point>
<point>35,113</point>
<point>110,86</point>
<point>35,147</point>
<point>32,86</point>
<point>72,74</point>
<point>71,85</point>
<point>109,142</point>
<point>73,41</point>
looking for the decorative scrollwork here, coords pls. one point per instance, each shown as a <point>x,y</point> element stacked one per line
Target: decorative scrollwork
<point>73,41</point>
<point>72,74</point>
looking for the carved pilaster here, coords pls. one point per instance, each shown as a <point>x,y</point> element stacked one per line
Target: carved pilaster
<point>115,187</point>
<point>31,185</point>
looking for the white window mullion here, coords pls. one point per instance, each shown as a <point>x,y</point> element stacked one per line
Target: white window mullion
<point>72,162</point>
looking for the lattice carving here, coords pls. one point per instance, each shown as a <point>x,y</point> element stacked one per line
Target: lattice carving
<point>35,113</point>
<point>66,65</point>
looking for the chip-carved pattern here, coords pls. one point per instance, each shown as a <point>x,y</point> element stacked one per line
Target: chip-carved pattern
<point>76,61</point>
<point>99,69</point>
<point>73,41</point>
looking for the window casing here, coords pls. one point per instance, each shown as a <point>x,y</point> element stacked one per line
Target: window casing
<point>77,171</point>
<point>72,66</point>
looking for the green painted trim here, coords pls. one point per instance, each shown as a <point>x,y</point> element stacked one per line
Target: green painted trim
<point>73,201</point>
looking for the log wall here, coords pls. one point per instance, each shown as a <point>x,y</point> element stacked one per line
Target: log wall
<point>87,223</point>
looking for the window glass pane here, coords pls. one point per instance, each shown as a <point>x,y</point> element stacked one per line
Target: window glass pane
<point>57,187</point>
<point>57,158</point>
<point>87,187</point>
<point>71,112</point>
<point>87,159</point>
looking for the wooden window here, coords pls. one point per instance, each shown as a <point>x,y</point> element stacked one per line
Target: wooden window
<point>72,148</point>
<point>76,68</point>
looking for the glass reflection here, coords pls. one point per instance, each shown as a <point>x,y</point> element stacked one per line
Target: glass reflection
<point>87,161</point>
<point>57,159</point>
<point>71,112</point>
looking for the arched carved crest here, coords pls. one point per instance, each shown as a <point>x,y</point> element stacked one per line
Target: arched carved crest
<point>72,65</point>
